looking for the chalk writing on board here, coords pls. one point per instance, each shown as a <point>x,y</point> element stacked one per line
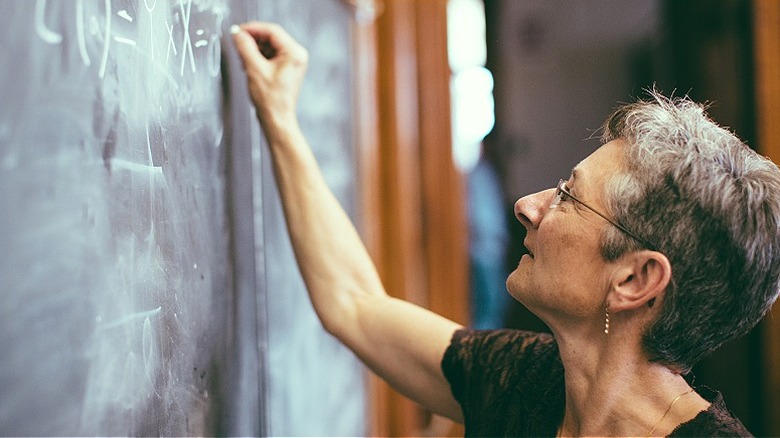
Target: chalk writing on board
<point>102,29</point>
<point>113,199</point>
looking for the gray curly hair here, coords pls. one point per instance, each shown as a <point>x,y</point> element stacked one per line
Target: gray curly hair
<point>712,206</point>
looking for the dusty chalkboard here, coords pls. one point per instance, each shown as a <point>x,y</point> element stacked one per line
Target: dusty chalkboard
<point>146,279</point>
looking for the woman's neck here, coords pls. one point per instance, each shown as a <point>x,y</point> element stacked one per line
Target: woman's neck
<point>611,389</point>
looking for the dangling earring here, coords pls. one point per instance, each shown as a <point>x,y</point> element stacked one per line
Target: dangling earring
<point>606,320</point>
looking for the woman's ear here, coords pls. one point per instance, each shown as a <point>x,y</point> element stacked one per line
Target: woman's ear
<point>640,278</point>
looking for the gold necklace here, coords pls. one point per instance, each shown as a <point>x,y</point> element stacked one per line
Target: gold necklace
<point>667,411</point>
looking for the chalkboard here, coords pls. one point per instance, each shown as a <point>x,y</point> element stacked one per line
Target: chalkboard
<point>302,358</point>
<point>147,282</point>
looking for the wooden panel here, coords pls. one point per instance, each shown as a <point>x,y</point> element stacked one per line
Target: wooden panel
<point>415,221</point>
<point>446,227</point>
<point>443,186</point>
<point>401,254</point>
<point>368,152</point>
<point>767,55</point>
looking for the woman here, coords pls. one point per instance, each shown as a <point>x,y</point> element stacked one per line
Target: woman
<point>656,250</point>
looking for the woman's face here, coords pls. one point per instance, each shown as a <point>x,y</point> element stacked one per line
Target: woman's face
<point>564,279</point>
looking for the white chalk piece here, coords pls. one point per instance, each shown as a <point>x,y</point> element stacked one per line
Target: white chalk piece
<point>234,29</point>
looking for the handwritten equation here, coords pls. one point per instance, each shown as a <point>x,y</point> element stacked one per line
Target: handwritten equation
<point>179,40</point>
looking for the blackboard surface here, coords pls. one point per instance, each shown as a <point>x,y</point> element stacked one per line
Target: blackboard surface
<point>146,278</point>
<point>334,395</point>
<point>114,237</point>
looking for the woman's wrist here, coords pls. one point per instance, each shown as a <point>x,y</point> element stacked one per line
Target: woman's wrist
<point>279,128</point>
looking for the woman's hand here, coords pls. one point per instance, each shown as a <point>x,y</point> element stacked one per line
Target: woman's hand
<point>275,65</point>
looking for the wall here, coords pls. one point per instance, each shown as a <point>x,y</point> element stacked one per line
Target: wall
<point>560,68</point>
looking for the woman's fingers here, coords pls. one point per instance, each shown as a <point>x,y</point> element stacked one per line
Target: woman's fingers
<point>275,65</point>
<point>273,40</point>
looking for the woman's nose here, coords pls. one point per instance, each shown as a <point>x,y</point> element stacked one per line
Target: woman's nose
<point>530,209</point>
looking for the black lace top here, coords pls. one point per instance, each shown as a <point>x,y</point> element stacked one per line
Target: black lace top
<point>510,383</point>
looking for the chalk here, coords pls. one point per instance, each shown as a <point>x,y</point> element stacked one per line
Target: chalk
<point>117,163</point>
<point>234,29</point>
<point>124,40</point>
<point>123,13</point>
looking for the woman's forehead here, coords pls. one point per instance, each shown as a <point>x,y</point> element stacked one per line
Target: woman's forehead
<point>599,165</point>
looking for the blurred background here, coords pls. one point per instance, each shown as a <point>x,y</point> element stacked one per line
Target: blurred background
<point>531,82</point>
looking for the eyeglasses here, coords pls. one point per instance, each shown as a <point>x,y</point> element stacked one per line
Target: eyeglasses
<point>562,192</point>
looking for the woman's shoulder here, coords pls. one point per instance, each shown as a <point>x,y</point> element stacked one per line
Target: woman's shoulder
<point>503,338</point>
<point>506,352</point>
<point>717,420</point>
<point>508,382</point>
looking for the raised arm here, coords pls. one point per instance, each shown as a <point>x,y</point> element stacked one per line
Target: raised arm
<point>401,342</point>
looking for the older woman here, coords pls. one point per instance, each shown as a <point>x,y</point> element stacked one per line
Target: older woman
<point>659,247</point>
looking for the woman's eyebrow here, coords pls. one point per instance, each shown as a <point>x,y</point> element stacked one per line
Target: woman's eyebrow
<point>573,176</point>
